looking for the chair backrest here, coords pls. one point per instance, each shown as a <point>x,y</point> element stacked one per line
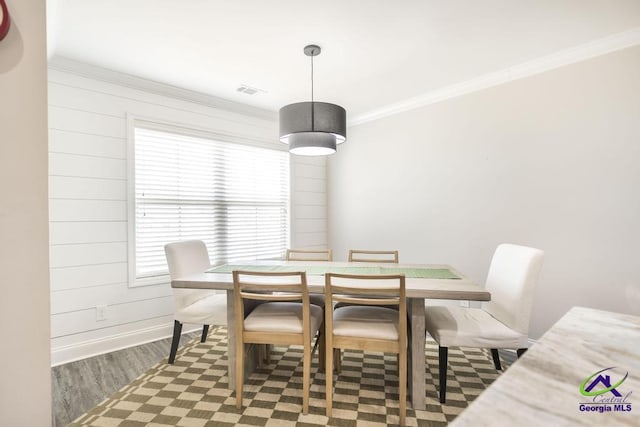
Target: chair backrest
<point>366,290</point>
<point>357,255</point>
<point>270,286</point>
<point>382,290</point>
<point>511,280</point>
<point>309,255</point>
<point>185,258</point>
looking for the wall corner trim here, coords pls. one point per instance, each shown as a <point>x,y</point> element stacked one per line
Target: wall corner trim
<point>558,59</point>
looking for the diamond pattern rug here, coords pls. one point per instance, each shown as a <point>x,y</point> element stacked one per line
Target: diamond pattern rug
<point>193,391</point>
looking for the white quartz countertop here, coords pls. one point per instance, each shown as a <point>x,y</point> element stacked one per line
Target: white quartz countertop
<point>543,388</point>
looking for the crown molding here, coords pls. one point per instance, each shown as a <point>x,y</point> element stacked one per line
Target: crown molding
<point>564,57</point>
<point>83,69</point>
<point>559,59</point>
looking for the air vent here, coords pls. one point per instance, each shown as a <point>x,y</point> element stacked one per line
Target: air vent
<point>246,89</point>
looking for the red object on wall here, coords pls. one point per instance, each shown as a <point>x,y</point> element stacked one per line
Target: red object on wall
<point>5,19</point>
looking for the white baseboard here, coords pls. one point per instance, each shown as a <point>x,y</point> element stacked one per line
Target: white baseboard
<point>83,350</point>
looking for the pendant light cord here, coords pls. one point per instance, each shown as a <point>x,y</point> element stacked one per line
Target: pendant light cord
<point>313,120</point>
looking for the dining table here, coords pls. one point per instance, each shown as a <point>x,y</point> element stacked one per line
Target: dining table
<point>422,281</point>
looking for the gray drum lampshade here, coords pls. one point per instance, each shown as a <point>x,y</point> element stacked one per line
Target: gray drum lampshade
<point>313,128</point>
<point>312,143</point>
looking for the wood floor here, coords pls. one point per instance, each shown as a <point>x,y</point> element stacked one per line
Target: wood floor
<point>79,386</point>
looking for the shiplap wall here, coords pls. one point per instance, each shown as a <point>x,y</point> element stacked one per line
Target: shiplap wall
<point>88,208</point>
<point>309,202</point>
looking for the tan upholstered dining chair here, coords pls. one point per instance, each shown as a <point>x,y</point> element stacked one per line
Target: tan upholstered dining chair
<point>357,255</point>
<point>200,307</point>
<point>308,255</point>
<point>311,255</point>
<point>502,322</point>
<point>366,323</point>
<point>285,317</point>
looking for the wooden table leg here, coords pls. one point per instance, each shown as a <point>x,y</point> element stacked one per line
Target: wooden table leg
<point>417,367</point>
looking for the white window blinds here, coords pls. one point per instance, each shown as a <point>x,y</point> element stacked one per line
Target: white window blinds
<point>232,196</point>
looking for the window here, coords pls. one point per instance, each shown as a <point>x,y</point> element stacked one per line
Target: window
<point>233,196</point>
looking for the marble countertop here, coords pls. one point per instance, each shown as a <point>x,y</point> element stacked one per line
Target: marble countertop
<point>543,388</point>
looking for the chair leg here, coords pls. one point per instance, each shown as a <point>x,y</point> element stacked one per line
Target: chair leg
<point>496,359</point>
<point>402,384</point>
<point>322,352</point>
<point>520,352</point>
<point>337,360</point>
<point>239,371</point>
<point>205,332</point>
<point>328,373</point>
<point>261,351</point>
<point>306,377</point>
<point>177,330</point>
<point>398,365</point>
<point>443,352</point>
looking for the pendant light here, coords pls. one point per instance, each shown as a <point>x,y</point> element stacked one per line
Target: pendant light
<point>313,128</point>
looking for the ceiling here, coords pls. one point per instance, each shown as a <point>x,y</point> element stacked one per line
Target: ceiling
<point>374,52</point>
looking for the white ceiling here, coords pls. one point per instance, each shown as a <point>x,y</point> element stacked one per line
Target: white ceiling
<point>375,52</point>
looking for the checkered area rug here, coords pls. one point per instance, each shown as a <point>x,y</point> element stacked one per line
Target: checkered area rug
<point>194,392</point>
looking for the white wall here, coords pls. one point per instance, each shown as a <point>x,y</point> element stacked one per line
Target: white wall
<point>549,161</point>
<point>25,389</point>
<point>88,203</point>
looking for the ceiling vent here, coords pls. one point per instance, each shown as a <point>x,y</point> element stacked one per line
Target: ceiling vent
<point>248,90</point>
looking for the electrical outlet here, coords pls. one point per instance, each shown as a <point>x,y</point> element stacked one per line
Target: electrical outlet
<point>464,304</point>
<point>101,313</point>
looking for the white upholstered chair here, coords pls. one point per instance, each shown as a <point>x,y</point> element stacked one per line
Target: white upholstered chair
<point>502,322</point>
<point>366,323</point>
<point>193,306</point>
<point>286,318</point>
